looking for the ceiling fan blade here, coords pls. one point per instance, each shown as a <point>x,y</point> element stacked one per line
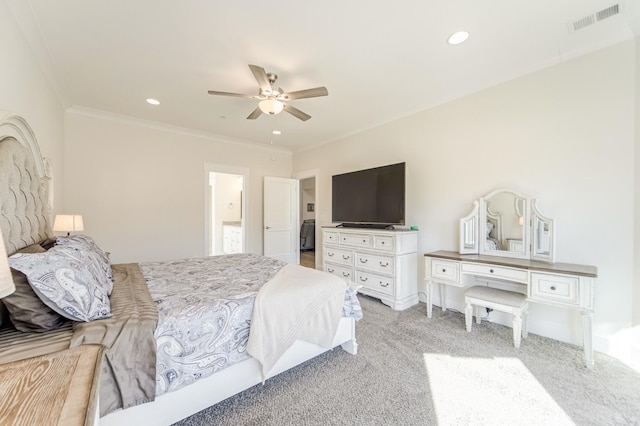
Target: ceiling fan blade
<point>308,93</point>
<point>237,95</point>
<point>255,114</point>
<point>261,77</point>
<point>296,112</point>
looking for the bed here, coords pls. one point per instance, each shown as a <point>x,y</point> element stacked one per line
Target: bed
<point>198,340</point>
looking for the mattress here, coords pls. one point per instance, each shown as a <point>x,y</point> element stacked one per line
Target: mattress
<point>204,313</point>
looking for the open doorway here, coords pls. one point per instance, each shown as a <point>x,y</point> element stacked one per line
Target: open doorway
<point>225,210</point>
<point>308,222</point>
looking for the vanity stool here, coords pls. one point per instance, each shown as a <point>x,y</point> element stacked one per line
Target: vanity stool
<point>500,300</point>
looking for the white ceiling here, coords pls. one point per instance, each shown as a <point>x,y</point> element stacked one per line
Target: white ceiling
<point>380,60</point>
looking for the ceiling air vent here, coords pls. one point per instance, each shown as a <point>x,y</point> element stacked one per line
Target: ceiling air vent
<point>606,13</point>
<point>594,17</point>
<point>584,22</point>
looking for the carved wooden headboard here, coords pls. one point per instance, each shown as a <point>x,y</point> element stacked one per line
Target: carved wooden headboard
<point>25,211</point>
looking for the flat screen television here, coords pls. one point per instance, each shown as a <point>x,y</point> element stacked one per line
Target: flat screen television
<point>372,197</point>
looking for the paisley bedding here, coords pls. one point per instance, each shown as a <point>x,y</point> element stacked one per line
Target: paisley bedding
<point>204,313</point>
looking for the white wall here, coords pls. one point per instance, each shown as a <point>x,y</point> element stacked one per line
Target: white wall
<point>141,187</point>
<point>24,90</point>
<point>564,135</point>
<point>636,293</point>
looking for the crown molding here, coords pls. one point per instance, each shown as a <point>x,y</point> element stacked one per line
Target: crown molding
<point>155,125</point>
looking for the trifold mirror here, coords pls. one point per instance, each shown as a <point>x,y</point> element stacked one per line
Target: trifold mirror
<point>506,223</point>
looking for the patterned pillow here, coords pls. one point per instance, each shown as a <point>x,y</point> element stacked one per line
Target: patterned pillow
<point>64,284</point>
<point>88,252</point>
<point>26,311</point>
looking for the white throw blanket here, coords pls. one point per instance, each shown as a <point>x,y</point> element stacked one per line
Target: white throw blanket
<point>297,303</point>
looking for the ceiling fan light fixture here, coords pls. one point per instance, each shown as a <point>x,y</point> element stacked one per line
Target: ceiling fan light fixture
<point>271,106</point>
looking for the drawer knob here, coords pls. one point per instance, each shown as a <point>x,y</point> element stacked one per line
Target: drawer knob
<point>553,287</point>
<point>444,270</point>
<point>330,269</point>
<point>491,270</point>
<point>363,278</point>
<point>346,274</point>
<point>330,254</point>
<point>363,260</point>
<point>364,241</point>
<point>384,265</point>
<point>345,257</point>
<point>384,285</point>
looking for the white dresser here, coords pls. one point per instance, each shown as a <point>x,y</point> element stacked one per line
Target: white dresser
<point>565,285</point>
<point>383,262</point>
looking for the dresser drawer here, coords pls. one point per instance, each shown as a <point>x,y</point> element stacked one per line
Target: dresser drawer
<point>339,271</point>
<point>377,283</point>
<point>336,255</point>
<point>372,262</point>
<point>383,242</point>
<point>356,240</point>
<point>555,288</point>
<point>330,237</point>
<point>445,270</point>
<point>497,272</point>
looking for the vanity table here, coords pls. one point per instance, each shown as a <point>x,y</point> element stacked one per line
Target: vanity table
<point>488,256</point>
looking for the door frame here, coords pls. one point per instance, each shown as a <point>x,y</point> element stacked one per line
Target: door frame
<point>222,168</point>
<point>305,174</point>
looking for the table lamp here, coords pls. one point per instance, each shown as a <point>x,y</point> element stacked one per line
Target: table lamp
<point>68,223</point>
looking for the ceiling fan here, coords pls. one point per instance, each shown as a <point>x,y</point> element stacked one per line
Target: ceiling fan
<point>272,98</point>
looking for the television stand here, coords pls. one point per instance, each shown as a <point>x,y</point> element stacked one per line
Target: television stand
<point>366,225</point>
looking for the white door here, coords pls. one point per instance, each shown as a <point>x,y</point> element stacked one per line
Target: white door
<point>281,235</point>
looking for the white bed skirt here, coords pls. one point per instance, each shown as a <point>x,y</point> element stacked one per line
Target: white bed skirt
<point>174,406</point>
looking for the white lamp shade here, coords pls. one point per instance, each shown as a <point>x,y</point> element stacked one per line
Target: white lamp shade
<point>6,282</point>
<point>271,106</point>
<point>68,223</point>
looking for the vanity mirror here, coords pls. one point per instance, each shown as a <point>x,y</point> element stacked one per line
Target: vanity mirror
<point>506,223</point>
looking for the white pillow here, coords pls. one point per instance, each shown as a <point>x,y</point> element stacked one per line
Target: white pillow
<point>87,251</point>
<point>64,284</point>
<point>489,228</point>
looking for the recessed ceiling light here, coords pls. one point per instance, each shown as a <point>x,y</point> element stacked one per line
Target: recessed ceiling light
<point>458,37</point>
<point>277,132</point>
<point>153,101</point>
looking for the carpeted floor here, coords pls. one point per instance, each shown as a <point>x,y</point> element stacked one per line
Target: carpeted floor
<point>411,370</point>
